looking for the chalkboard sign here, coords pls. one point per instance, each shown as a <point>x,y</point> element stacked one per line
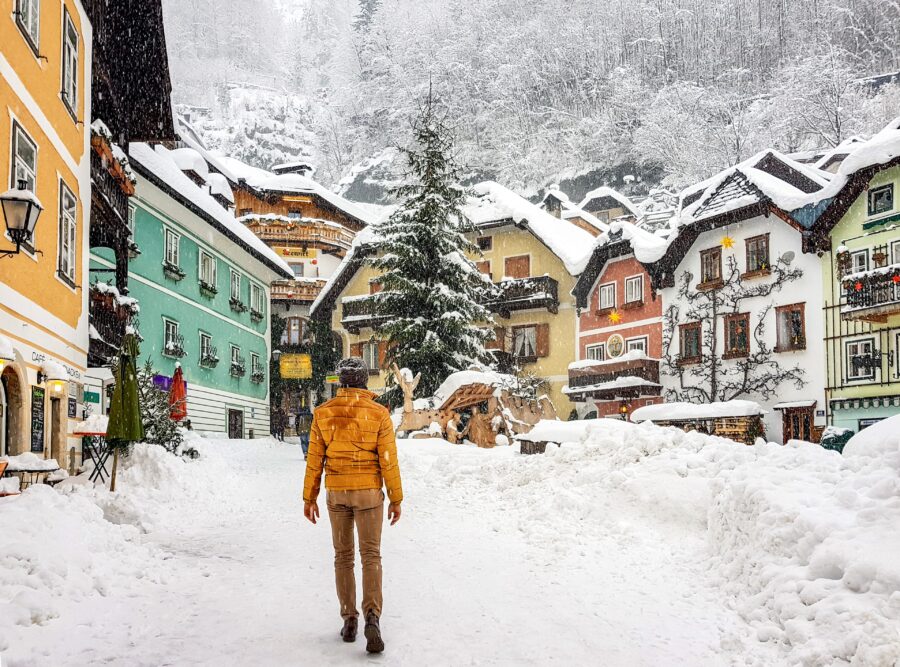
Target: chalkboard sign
<point>73,408</point>
<point>37,419</point>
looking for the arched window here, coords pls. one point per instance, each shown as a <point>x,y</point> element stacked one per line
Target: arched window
<point>293,331</point>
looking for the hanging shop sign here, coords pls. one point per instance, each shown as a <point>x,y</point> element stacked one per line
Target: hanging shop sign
<point>295,366</point>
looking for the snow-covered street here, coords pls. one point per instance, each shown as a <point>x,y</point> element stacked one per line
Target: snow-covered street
<point>592,554</point>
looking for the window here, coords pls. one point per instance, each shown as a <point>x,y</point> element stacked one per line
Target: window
<point>859,261</point>
<point>28,17</point>
<point>525,342</point>
<point>895,252</point>
<point>207,269</point>
<point>596,352</point>
<point>607,296</point>
<point>235,285</point>
<point>131,214</point>
<point>172,339</point>
<point>758,254</point>
<point>636,344</point>
<point>485,243</point>
<point>691,342</point>
<point>634,289</point>
<point>859,354</point>
<point>375,286</point>
<point>881,200</point>
<point>67,233</point>
<point>256,298</point>
<point>205,346</point>
<point>369,353</point>
<point>484,267</point>
<point>236,359</point>
<point>244,212</point>
<point>295,214</point>
<point>791,328</point>
<point>517,267</point>
<point>172,250</point>
<point>711,266</point>
<point>255,366</point>
<point>70,65</point>
<point>737,335</point>
<point>24,167</point>
<point>293,331</point>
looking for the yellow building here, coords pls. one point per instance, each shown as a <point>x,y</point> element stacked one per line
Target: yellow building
<point>45,59</point>
<point>533,258</point>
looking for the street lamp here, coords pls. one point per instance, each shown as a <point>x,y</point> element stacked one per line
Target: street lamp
<point>276,354</point>
<point>21,209</point>
<point>55,375</point>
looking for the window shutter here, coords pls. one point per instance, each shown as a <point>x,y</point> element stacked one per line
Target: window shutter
<point>382,353</point>
<point>356,350</point>
<point>543,340</point>
<point>499,342</point>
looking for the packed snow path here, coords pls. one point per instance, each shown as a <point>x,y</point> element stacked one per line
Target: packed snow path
<point>471,576</point>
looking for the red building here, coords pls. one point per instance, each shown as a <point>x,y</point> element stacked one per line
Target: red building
<point>619,331</point>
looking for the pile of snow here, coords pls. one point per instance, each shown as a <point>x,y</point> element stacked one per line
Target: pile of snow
<point>28,461</point>
<point>93,425</point>
<point>554,430</point>
<point>631,355</point>
<point>802,542</point>
<point>9,485</point>
<point>880,440</point>
<point>689,411</point>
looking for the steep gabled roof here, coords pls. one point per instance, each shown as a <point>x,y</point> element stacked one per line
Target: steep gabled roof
<point>596,196</point>
<point>493,205</point>
<point>571,210</point>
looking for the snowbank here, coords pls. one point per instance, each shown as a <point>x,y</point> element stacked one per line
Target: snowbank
<point>29,461</point>
<point>677,411</point>
<point>879,440</point>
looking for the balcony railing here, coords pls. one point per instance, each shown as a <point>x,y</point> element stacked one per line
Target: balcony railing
<point>360,313</point>
<point>301,291</point>
<point>615,380</point>
<point>301,232</point>
<point>174,347</point>
<point>524,294</point>
<point>109,320</point>
<point>209,357</point>
<point>238,367</point>
<point>873,295</point>
<point>109,190</point>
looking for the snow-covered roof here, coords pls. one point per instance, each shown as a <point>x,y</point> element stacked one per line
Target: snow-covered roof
<point>218,185</point>
<point>260,179</point>
<point>493,203</point>
<point>158,162</point>
<point>690,411</point>
<point>647,247</point>
<point>602,192</point>
<point>188,159</point>
<point>571,210</point>
<point>460,379</point>
<point>364,239</point>
<point>584,364</point>
<point>620,382</point>
<point>54,370</point>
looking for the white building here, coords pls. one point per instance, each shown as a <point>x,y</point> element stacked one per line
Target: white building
<point>742,300</point>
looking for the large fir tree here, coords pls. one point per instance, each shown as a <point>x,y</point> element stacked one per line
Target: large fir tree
<point>431,293</point>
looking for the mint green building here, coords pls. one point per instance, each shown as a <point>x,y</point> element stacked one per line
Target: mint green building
<point>202,282</point>
<point>858,234</point>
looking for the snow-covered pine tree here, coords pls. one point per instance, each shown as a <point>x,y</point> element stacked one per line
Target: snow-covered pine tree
<point>431,292</point>
<point>159,427</point>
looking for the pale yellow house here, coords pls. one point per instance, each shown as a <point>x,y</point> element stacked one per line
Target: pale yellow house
<point>533,257</point>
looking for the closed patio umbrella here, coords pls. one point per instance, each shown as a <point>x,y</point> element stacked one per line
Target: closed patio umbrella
<point>178,396</point>
<point>125,424</point>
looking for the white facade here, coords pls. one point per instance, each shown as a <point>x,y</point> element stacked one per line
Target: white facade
<point>806,290</point>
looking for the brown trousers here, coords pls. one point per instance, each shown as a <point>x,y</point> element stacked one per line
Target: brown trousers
<point>365,509</point>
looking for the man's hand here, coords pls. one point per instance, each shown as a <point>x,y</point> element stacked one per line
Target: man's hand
<point>311,512</point>
<point>394,513</point>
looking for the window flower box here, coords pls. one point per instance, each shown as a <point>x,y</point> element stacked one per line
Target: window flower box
<point>209,359</point>
<point>238,369</point>
<point>208,289</point>
<point>237,305</point>
<point>173,271</point>
<point>175,348</point>
<point>258,377</point>
<point>256,315</point>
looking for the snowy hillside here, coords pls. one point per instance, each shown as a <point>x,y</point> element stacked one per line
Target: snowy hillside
<point>634,546</point>
<point>664,91</point>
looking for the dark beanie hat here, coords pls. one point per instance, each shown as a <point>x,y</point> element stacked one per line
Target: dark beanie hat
<point>353,372</point>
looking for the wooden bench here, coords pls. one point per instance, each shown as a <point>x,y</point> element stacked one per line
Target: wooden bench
<point>3,466</point>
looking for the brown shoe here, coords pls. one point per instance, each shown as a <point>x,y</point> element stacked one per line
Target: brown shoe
<point>374,643</point>
<point>348,632</point>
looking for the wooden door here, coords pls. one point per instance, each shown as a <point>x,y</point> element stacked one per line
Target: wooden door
<point>517,267</point>
<point>236,424</point>
<point>798,424</point>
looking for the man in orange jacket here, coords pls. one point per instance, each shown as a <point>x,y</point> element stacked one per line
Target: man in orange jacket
<point>352,439</point>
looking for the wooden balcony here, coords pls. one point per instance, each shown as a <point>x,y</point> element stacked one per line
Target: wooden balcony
<point>613,380</point>
<point>329,237</point>
<point>524,294</point>
<point>296,291</point>
<point>109,319</point>
<point>872,296</point>
<point>359,313</point>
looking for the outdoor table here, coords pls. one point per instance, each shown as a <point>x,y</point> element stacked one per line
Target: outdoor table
<point>94,447</point>
<point>29,475</point>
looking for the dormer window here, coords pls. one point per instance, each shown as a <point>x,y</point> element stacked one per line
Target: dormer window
<point>881,199</point>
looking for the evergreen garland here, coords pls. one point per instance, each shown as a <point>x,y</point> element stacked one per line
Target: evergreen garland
<point>431,293</point>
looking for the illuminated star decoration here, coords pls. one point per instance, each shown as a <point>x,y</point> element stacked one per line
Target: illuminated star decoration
<point>858,286</point>
<point>614,317</point>
<point>727,242</point>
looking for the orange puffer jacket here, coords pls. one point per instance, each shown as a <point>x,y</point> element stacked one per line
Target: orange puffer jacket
<point>352,439</point>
